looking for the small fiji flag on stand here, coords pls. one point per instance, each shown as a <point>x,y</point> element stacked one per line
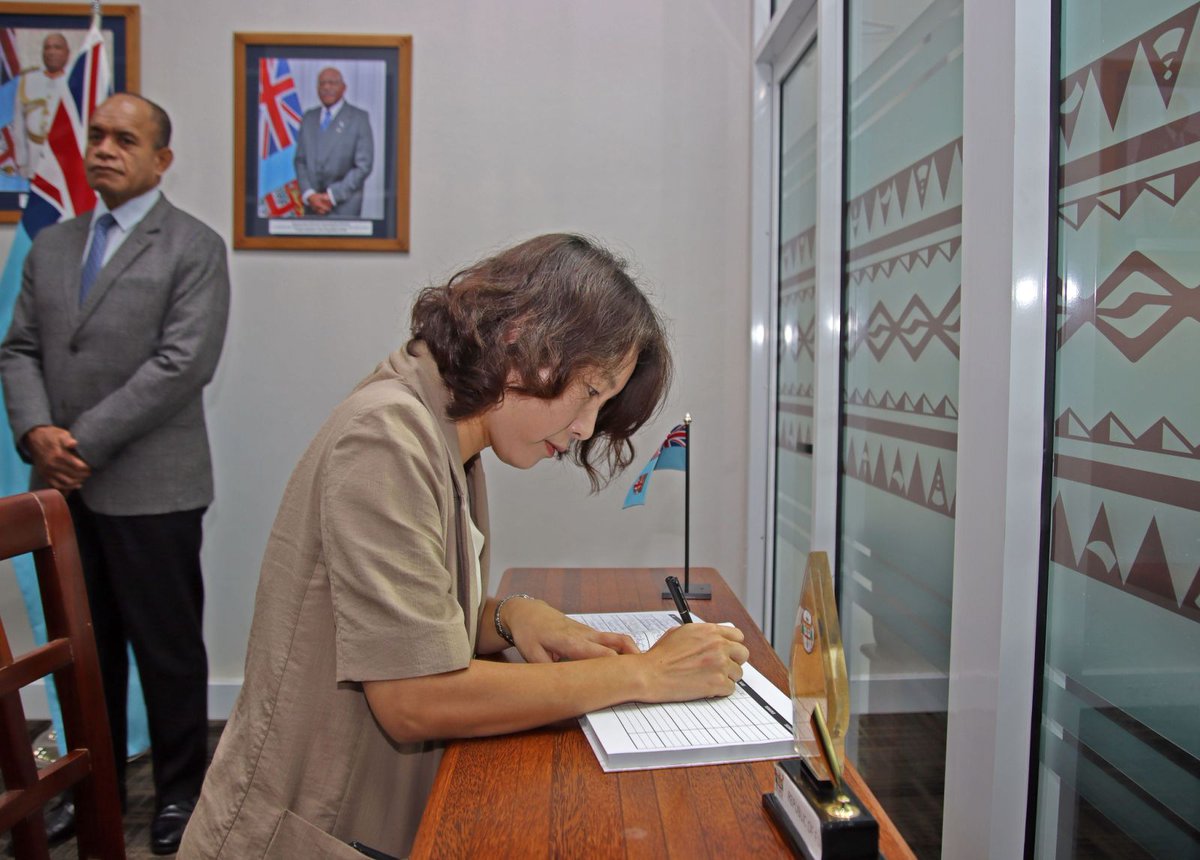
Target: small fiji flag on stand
<point>674,453</point>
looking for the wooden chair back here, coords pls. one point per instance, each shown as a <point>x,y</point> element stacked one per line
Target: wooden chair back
<point>40,523</point>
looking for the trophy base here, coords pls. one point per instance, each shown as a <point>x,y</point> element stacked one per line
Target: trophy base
<point>695,591</point>
<point>815,820</point>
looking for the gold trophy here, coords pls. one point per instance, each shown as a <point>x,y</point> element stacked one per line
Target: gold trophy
<point>811,804</point>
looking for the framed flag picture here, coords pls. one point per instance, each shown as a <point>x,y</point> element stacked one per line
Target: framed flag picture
<point>321,141</point>
<point>38,41</point>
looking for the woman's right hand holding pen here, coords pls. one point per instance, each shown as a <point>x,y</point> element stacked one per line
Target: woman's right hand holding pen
<point>694,661</point>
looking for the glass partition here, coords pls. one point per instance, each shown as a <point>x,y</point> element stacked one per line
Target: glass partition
<point>1119,755</point>
<point>902,285</point>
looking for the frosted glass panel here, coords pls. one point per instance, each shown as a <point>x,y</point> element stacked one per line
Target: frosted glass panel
<point>1120,726</point>
<point>902,286</point>
<point>900,378</point>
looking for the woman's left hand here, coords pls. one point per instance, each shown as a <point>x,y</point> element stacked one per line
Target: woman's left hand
<point>545,635</point>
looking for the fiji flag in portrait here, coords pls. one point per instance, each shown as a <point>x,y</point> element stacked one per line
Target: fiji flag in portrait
<point>279,116</point>
<point>672,454</point>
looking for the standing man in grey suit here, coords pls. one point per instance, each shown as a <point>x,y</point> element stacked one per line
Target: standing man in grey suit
<point>116,331</point>
<point>335,152</point>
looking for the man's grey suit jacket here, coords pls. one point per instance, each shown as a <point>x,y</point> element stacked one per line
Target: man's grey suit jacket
<point>125,372</point>
<point>338,159</point>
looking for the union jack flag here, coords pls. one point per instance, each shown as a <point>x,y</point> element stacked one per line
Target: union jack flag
<point>279,110</point>
<point>671,454</point>
<point>677,438</point>
<point>10,62</point>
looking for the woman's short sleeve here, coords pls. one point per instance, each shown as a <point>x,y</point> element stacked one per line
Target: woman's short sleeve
<point>386,528</point>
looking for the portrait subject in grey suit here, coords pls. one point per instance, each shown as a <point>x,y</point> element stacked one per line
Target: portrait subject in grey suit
<point>334,151</point>
<point>117,329</point>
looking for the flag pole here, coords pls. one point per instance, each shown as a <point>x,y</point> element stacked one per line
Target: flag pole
<point>687,500</point>
<point>692,592</point>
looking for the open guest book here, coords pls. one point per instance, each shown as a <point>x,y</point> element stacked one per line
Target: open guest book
<point>750,725</point>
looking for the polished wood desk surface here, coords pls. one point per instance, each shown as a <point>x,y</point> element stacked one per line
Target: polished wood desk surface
<point>542,793</point>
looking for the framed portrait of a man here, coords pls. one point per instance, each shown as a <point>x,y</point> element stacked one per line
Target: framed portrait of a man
<point>321,128</point>
<point>37,43</point>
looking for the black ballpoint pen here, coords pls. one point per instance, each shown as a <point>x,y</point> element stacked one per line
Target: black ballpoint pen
<point>685,615</point>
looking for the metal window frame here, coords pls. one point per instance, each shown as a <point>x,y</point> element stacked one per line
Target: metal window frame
<point>782,42</point>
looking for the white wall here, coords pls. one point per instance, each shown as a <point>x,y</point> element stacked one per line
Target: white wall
<point>624,119</point>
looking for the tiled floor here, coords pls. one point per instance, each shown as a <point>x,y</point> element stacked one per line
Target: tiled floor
<point>903,758</point>
<point>139,786</point>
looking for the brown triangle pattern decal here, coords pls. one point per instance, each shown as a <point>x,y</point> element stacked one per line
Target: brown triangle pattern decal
<point>916,483</point>
<point>1149,572</point>
<point>1163,45</point>
<point>1111,74</point>
<point>920,175</point>
<point>796,254</point>
<point>895,189</point>
<point>1110,431</point>
<point>924,257</point>
<point>1070,99</point>
<point>937,488</point>
<point>904,403</point>
<point>943,160</point>
<point>896,484</point>
<point>796,389</point>
<point>1099,559</point>
<point>1069,426</point>
<point>1149,576</point>
<point>910,487</point>
<point>1062,551</point>
<point>1170,186</point>
<point>902,194</point>
<point>1191,600</point>
<point>795,436</point>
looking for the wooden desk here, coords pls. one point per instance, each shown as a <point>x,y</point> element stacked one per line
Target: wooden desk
<point>542,793</point>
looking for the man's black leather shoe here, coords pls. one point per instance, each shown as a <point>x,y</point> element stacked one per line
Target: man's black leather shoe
<point>60,820</point>
<point>166,831</point>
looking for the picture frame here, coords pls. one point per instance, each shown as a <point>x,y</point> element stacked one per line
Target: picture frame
<point>24,28</point>
<point>308,180</point>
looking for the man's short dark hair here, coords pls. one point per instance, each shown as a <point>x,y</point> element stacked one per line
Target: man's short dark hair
<point>162,122</point>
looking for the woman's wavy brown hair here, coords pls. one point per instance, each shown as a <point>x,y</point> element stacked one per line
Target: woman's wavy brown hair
<point>547,310</point>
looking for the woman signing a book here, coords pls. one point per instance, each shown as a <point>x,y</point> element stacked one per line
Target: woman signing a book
<point>372,602</point>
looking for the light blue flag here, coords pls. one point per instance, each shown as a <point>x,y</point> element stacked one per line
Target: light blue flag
<point>8,99</point>
<point>672,454</point>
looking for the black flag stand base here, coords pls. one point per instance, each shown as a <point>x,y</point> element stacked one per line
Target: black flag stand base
<point>693,592</point>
